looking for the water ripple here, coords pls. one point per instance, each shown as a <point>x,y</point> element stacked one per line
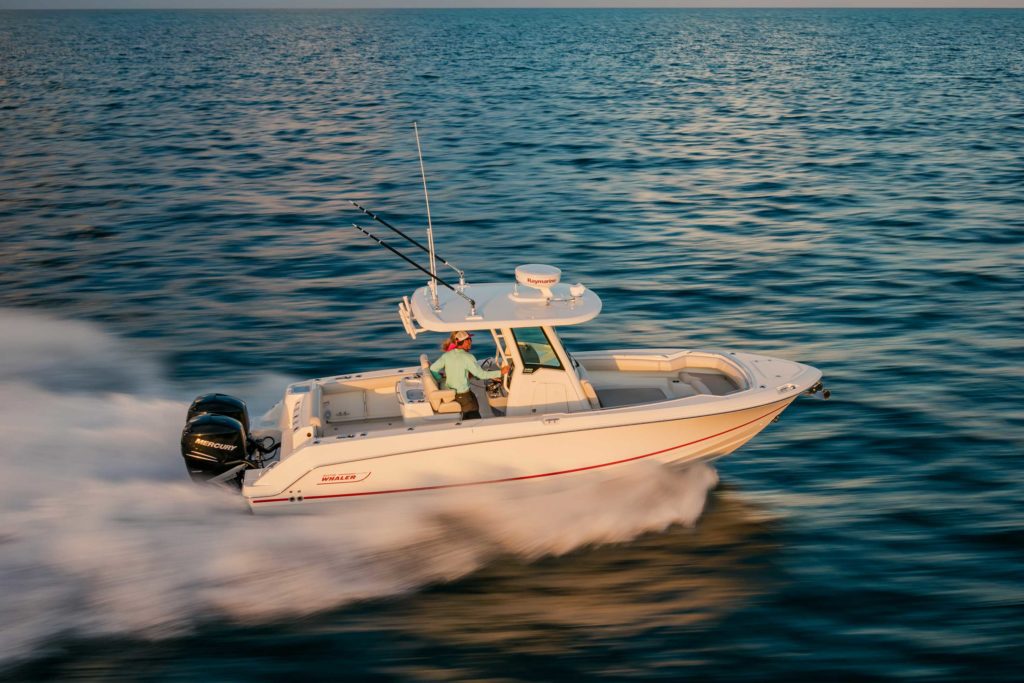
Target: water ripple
<point>838,187</point>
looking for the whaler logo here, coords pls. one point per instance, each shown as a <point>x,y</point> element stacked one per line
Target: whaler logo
<point>214,444</point>
<point>346,478</point>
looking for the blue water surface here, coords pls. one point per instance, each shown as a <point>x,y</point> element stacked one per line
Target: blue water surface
<point>842,188</point>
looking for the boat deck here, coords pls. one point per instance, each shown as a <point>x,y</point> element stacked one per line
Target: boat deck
<point>350,428</point>
<point>360,405</point>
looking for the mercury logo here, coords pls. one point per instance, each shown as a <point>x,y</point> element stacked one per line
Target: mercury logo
<point>214,444</point>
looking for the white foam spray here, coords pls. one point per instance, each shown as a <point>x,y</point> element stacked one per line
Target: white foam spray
<point>102,533</point>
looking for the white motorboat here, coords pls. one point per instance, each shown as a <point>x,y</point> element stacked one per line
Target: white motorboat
<point>556,414</point>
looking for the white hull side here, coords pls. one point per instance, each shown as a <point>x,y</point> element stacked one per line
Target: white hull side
<point>429,462</point>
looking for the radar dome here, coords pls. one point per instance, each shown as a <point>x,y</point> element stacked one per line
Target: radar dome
<point>539,276</point>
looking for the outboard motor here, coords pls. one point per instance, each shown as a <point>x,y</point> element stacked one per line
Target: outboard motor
<point>213,445</point>
<point>215,442</point>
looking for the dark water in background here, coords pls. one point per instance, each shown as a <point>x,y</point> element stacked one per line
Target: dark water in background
<point>842,188</point>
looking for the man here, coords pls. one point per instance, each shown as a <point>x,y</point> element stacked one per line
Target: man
<point>458,364</point>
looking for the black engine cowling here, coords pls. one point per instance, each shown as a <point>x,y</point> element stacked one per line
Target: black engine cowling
<point>220,404</point>
<point>216,437</point>
<point>212,445</point>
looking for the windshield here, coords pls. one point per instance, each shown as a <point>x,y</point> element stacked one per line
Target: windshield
<point>535,349</point>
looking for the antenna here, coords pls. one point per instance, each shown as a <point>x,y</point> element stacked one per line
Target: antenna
<point>430,225</point>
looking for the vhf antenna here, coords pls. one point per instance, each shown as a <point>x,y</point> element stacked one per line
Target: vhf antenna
<point>432,271</point>
<point>430,225</point>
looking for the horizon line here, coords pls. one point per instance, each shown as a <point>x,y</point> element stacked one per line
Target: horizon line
<point>199,5</point>
<point>378,7</point>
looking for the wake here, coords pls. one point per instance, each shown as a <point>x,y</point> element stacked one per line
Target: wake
<point>102,533</point>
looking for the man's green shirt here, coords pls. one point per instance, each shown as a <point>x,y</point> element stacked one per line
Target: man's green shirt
<point>458,365</point>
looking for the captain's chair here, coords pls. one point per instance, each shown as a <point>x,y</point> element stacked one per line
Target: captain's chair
<point>441,400</point>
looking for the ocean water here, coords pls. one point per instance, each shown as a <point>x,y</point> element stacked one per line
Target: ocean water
<point>842,188</point>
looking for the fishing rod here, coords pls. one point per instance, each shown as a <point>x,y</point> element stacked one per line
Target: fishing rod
<point>430,223</point>
<point>472,303</point>
<point>371,214</point>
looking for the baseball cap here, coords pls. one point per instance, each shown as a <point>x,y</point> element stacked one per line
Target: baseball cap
<point>462,336</point>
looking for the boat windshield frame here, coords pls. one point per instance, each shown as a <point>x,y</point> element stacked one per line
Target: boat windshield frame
<point>525,345</point>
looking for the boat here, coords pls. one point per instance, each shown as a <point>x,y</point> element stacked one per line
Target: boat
<point>556,414</point>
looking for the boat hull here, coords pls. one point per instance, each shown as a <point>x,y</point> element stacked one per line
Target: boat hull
<point>477,454</point>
